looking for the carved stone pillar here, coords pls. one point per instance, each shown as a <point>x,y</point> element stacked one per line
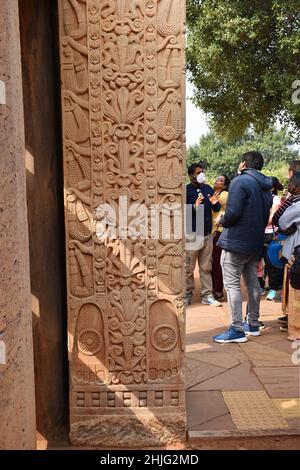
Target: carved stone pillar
<point>17,404</point>
<point>122,64</point>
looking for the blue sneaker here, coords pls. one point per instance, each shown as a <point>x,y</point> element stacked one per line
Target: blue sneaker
<point>271,295</point>
<point>231,336</point>
<point>251,330</point>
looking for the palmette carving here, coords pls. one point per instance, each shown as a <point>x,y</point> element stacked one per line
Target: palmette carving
<point>122,99</point>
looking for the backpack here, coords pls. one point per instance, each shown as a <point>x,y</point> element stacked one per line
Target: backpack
<point>274,251</point>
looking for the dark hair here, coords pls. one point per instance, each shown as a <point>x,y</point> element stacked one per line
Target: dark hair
<point>294,166</point>
<point>193,166</point>
<point>226,182</point>
<point>277,186</point>
<point>253,160</point>
<point>294,186</point>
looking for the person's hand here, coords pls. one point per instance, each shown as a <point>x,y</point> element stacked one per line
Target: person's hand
<point>199,200</point>
<point>291,261</point>
<point>218,219</point>
<point>214,199</point>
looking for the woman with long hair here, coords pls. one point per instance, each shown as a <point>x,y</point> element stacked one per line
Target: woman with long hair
<point>290,220</point>
<point>221,187</point>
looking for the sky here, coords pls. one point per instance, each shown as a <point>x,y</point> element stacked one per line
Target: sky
<point>196,124</point>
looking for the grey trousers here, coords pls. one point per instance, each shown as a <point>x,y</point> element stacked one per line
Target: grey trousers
<point>234,266</point>
<point>204,258</point>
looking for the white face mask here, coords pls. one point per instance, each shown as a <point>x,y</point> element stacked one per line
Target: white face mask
<point>201,178</point>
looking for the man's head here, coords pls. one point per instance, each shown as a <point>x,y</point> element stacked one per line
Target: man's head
<point>294,167</point>
<point>253,160</point>
<point>194,170</point>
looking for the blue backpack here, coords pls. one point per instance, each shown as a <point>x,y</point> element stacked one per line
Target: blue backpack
<point>274,251</point>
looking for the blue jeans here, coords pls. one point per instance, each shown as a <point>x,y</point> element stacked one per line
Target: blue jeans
<point>234,266</point>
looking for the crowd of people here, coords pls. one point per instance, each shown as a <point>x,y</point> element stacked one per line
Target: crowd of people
<point>249,233</point>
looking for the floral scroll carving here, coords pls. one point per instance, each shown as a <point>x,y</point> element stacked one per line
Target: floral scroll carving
<point>122,67</point>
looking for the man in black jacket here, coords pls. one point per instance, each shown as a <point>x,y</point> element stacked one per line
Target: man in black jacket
<point>245,219</point>
<point>201,196</point>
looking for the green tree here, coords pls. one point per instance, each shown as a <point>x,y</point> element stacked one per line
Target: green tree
<point>243,57</point>
<point>277,147</point>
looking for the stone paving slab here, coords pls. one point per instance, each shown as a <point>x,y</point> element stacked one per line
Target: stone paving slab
<point>283,344</point>
<point>234,350</point>
<point>279,382</point>
<point>288,407</point>
<point>224,360</point>
<point>294,423</point>
<point>215,424</point>
<point>254,410</point>
<point>197,372</point>
<point>238,378</point>
<point>204,406</point>
<point>268,336</point>
<point>262,355</point>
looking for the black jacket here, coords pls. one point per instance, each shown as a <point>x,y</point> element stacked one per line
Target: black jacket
<point>192,193</point>
<point>247,213</point>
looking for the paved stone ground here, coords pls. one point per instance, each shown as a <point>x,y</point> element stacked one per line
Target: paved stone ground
<point>262,364</point>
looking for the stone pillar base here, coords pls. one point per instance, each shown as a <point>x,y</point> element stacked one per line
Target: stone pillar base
<point>129,431</point>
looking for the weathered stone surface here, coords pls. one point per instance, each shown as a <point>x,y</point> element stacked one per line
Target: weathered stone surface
<point>284,344</point>
<point>17,404</point>
<point>204,407</point>
<point>221,423</point>
<point>220,359</point>
<point>288,407</point>
<point>262,355</point>
<point>126,431</point>
<point>41,91</point>
<point>122,68</point>
<point>279,382</point>
<point>196,372</point>
<point>238,378</point>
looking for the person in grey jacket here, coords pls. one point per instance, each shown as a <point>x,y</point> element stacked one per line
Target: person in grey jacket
<point>291,217</point>
<point>245,219</point>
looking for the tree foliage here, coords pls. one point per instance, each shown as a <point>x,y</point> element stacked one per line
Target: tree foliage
<point>223,157</point>
<point>243,57</point>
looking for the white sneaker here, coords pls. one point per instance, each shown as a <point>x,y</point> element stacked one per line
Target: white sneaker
<point>210,300</point>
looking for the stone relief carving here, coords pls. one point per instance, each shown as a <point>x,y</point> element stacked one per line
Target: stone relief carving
<point>123,121</point>
<point>165,350</point>
<point>89,351</point>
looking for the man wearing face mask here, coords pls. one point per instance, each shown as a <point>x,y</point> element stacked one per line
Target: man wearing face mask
<point>200,194</point>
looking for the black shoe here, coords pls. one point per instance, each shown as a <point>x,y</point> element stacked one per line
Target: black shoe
<point>284,328</point>
<point>218,295</point>
<point>283,319</point>
<point>187,300</point>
